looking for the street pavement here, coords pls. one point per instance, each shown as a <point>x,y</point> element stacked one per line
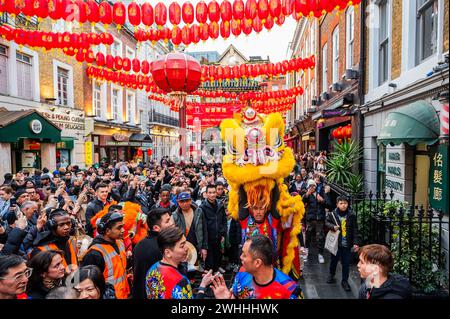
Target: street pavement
<point>314,279</point>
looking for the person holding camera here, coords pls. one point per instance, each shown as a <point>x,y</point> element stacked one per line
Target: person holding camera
<point>58,235</point>
<point>107,251</point>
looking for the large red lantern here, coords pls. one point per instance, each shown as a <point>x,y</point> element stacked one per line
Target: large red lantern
<point>55,9</point>
<point>269,23</point>
<point>194,33</point>
<point>174,13</point>
<point>187,12</point>
<point>145,66</point>
<point>109,61</point>
<point>177,72</point>
<point>81,10</point>
<point>201,12</point>
<point>139,152</point>
<point>257,25</point>
<point>225,11</point>
<point>247,26</point>
<point>147,14</point>
<point>214,11</point>
<point>238,10</point>
<point>136,65</point>
<point>118,63</point>
<point>119,13</point>
<point>204,32</point>
<point>287,7</point>
<point>275,8</point>
<point>160,14</point>
<point>236,27</point>
<point>134,14</point>
<point>126,64</point>
<point>149,152</point>
<point>105,13</point>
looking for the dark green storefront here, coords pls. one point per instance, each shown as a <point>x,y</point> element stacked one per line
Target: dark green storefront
<point>30,135</point>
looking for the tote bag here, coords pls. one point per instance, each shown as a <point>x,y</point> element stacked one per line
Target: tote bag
<point>332,239</point>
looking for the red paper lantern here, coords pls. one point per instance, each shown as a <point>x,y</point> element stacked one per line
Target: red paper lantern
<point>90,56</point>
<point>81,10</point>
<point>109,61</point>
<point>145,66</point>
<point>185,36</point>
<point>27,9</point>
<point>134,14</point>
<point>251,9</point>
<point>160,14</point>
<point>225,11</point>
<point>136,65</point>
<point>139,152</point>
<point>118,63</point>
<point>176,36</point>
<point>119,13</point>
<point>238,10</point>
<point>287,7</point>
<point>149,152</point>
<point>187,12</point>
<point>263,9</point>
<point>275,8</point>
<point>269,23</point>
<point>236,27</point>
<point>126,64</point>
<point>201,12</point>
<point>204,32</point>
<point>257,25</point>
<point>194,33</point>
<point>100,59</point>
<point>225,30</point>
<point>214,11</point>
<point>55,9</point>
<point>213,30</point>
<point>105,13</point>
<point>177,72</point>
<point>175,13</point>
<point>247,26</point>
<point>280,20</point>
<point>92,12</point>
<point>147,14</point>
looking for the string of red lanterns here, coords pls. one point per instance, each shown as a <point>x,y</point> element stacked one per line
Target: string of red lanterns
<point>295,91</point>
<point>55,40</point>
<point>118,13</point>
<point>342,132</point>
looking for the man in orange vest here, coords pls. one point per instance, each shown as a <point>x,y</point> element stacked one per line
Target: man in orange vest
<point>108,253</point>
<point>58,235</point>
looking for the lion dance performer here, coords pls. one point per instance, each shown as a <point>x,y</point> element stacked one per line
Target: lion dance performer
<point>255,165</point>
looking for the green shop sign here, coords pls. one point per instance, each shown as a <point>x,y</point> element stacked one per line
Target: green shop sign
<point>438,192</point>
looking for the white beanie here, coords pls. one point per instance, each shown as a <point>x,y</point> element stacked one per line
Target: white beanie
<point>310,183</point>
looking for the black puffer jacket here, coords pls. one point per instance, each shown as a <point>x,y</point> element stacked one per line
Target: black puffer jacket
<point>314,209</point>
<point>352,226</point>
<point>395,287</point>
<point>216,220</point>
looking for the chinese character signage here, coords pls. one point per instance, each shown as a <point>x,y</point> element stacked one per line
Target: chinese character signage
<point>438,192</point>
<point>89,156</point>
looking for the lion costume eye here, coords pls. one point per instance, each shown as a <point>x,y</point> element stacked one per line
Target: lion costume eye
<point>278,142</point>
<point>231,150</point>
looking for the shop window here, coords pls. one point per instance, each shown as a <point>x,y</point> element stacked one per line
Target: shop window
<point>336,55</point>
<point>426,29</point>
<point>383,46</point>
<point>62,82</point>
<point>350,35</point>
<point>24,76</point>
<point>381,169</point>
<point>3,69</point>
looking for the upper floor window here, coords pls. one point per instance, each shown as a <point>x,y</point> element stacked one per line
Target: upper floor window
<point>24,75</point>
<point>336,55</point>
<point>115,104</point>
<point>426,29</point>
<point>350,36</point>
<point>98,99</point>
<point>116,49</point>
<point>62,84</point>
<point>3,69</point>
<point>325,68</point>
<point>383,43</point>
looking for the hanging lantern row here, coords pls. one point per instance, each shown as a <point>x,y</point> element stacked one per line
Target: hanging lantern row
<point>173,104</point>
<point>118,13</point>
<point>195,33</point>
<point>131,81</point>
<point>213,72</point>
<point>55,40</point>
<point>342,132</point>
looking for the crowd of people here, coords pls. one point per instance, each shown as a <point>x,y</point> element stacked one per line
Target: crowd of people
<point>48,217</point>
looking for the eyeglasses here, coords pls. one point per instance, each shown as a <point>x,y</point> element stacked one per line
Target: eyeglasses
<point>27,273</point>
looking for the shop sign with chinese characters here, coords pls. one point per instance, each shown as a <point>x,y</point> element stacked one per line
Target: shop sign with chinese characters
<point>438,193</point>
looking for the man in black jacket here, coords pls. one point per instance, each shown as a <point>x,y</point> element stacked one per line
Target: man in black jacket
<point>375,266</point>
<point>147,252</point>
<point>315,217</point>
<point>216,224</point>
<point>102,192</point>
<point>344,220</point>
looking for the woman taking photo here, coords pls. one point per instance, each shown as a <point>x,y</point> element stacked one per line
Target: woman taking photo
<point>90,284</point>
<point>48,273</point>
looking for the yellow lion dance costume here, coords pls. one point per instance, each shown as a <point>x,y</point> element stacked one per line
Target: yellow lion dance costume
<point>256,158</point>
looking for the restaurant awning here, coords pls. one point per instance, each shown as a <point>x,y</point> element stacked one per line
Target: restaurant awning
<point>415,123</point>
<point>15,125</point>
<point>141,138</point>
